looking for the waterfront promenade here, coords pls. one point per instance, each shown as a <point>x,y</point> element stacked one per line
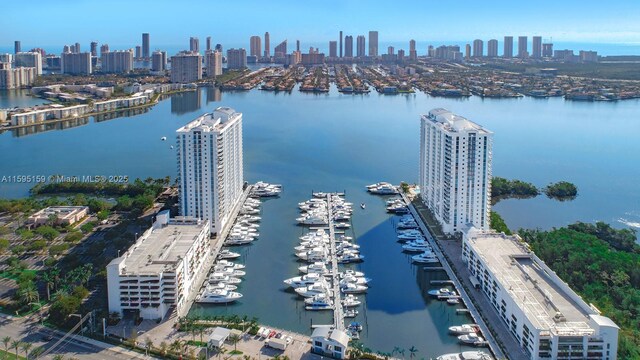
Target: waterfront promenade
<point>450,254</point>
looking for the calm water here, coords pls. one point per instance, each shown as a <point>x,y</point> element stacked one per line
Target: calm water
<point>342,142</point>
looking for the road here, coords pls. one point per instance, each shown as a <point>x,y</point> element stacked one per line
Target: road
<point>78,347</point>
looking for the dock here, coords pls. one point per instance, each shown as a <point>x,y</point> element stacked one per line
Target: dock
<point>338,311</point>
<point>433,268</point>
<point>442,282</point>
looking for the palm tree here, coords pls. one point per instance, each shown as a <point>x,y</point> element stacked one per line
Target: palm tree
<point>148,344</point>
<point>234,339</point>
<point>28,295</point>
<point>25,346</point>
<point>58,357</point>
<point>396,350</point>
<point>201,332</point>
<point>15,344</point>
<point>36,352</point>
<point>6,341</point>
<point>412,352</point>
<point>244,321</point>
<point>175,346</point>
<point>163,348</point>
<point>221,351</point>
<point>401,352</point>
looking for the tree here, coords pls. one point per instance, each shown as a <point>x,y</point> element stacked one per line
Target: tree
<point>148,344</point>
<point>6,341</point>
<point>36,352</point>
<point>175,346</point>
<point>25,346</point>
<point>163,348</point>
<point>15,344</point>
<point>234,339</point>
<point>28,294</point>
<point>58,357</point>
<point>4,245</point>
<point>412,352</point>
<point>223,351</point>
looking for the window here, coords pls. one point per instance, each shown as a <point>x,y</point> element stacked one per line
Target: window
<point>318,343</point>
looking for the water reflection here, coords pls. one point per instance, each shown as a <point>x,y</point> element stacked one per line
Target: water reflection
<point>185,102</point>
<point>39,128</point>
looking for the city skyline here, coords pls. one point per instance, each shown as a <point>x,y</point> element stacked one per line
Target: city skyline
<point>544,18</point>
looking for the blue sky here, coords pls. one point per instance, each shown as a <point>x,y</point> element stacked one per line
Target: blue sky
<point>47,22</point>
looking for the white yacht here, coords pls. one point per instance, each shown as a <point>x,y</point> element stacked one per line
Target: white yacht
<point>350,288</point>
<point>228,271</point>
<point>342,225</point>
<point>376,185</point>
<point>406,225</point>
<point>350,313</point>
<point>426,257</point>
<point>231,264</point>
<point>464,329</point>
<point>441,292</point>
<point>410,235</point>
<point>318,302</point>
<point>312,219</point>
<point>354,280</point>
<point>308,245</point>
<point>227,254</point>
<point>215,278</point>
<point>222,286</point>
<point>320,287</point>
<point>218,296</point>
<point>237,240</point>
<point>386,189</point>
<point>316,254</point>
<point>453,301</point>
<point>350,257</point>
<point>250,218</point>
<point>416,247</point>
<point>304,280</point>
<point>351,301</point>
<point>317,268</point>
<point>466,355</point>
<point>471,339</point>
<point>350,272</point>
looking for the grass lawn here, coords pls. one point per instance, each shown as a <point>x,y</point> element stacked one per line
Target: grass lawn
<point>10,275</point>
<point>9,355</point>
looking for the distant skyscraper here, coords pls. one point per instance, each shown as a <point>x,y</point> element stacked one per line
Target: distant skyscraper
<point>467,51</point>
<point>157,61</point>
<point>117,61</point>
<point>333,49</point>
<point>194,44</point>
<point>508,47</point>
<point>298,45</point>
<point>522,47</point>
<point>209,44</point>
<point>536,49</point>
<point>413,54</point>
<point>29,59</point>
<point>218,48</point>
<point>76,64</point>
<point>340,43</point>
<point>360,46</point>
<point>94,48</point>
<point>236,59</point>
<point>391,50</point>
<point>547,50</point>
<point>267,48</point>
<point>348,46</point>
<point>17,47</point>
<point>186,67</point>
<point>213,62</point>
<point>138,52</point>
<point>77,48</point>
<point>492,48</point>
<point>478,48</point>
<point>373,43</point>
<point>211,186</point>
<point>455,170</point>
<point>280,51</point>
<point>104,48</point>
<point>145,46</point>
<point>255,46</point>
<point>400,55</point>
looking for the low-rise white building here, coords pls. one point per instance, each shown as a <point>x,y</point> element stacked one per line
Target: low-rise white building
<point>121,103</point>
<point>50,112</point>
<point>61,215</point>
<point>547,318</point>
<point>331,342</point>
<point>159,271</point>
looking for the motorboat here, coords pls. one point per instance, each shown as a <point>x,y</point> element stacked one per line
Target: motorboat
<point>221,285</point>
<point>471,339</point>
<point>316,254</point>
<point>350,313</point>
<point>406,225</point>
<point>341,217</point>
<point>316,267</point>
<point>308,245</point>
<point>231,264</point>
<point>320,194</point>
<point>304,280</point>
<point>409,235</point>
<point>229,271</point>
<point>164,138</point>
<point>219,296</point>
<point>413,247</point>
<point>319,287</point>
<point>342,225</point>
<point>350,272</point>
<point>351,301</point>
<point>354,280</point>
<point>466,355</point>
<point>249,211</point>
<point>362,205</point>
<point>318,302</point>
<point>385,189</point>
<point>227,254</point>
<point>426,257</point>
<point>453,301</point>
<point>376,185</point>
<point>350,257</point>
<point>343,245</point>
<point>355,326</point>
<point>312,219</point>
<point>398,209</point>
<point>350,288</point>
<point>441,292</point>
<point>464,329</point>
<point>215,278</point>
<point>232,241</point>
<point>250,218</point>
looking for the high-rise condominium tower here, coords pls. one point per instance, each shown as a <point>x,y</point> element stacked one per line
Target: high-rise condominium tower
<point>455,170</point>
<point>145,46</point>
<point>373,43</point>
<point>210,175</point>
<point>508,47</point>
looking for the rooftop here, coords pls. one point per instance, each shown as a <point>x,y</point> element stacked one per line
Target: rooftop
<point>218,120</point>
<point>328,332</point>
<point>452,122</point>
<point>548,303</point>
<point>162,247</point>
